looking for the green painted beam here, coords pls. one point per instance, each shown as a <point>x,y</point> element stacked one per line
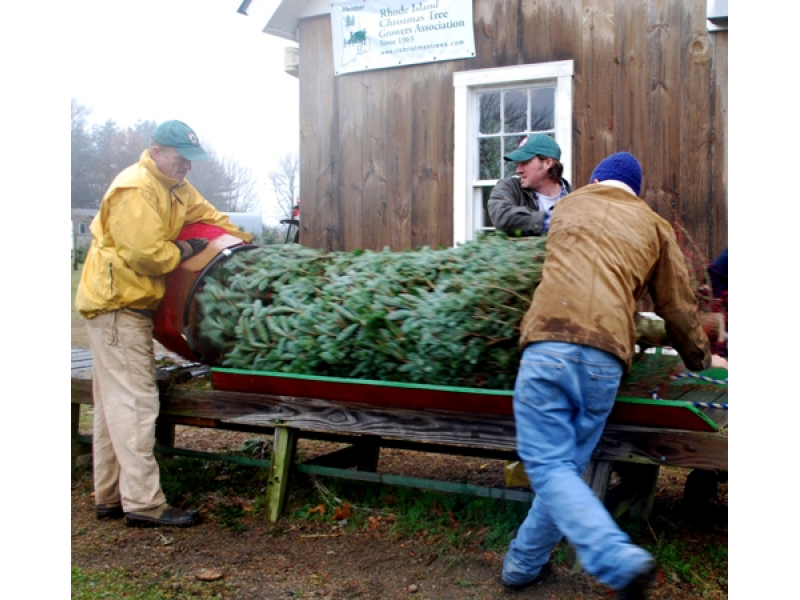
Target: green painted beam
<point>416,482</point>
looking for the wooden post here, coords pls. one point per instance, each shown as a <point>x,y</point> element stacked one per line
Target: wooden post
<point>165,434</point>
<point>369,453</point>
<point>283,449</point>
<point>635,493</point>
<point>78,448</point>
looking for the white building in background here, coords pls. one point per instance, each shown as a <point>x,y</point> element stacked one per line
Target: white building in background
<point>249,222</point>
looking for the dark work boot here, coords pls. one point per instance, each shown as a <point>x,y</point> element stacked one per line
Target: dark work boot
<point>543,574</point>
<point>108,511</point>
<point>637,588</point>
<point>164,515</point>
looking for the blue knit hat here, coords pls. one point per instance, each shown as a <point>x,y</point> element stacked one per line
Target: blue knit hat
<point>620,166</point>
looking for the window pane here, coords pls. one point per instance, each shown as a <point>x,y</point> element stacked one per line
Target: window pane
<point>490,158</point>
<point>511,143</point>
<point>485,193</point>
<point>490,112</point>
<point>543,108</point>
<point>515,106</point>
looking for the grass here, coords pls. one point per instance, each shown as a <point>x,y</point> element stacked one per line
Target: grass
<point>695,561</point>
<point>446,523</point>
<point>447,526</point>
<point>93,585</point>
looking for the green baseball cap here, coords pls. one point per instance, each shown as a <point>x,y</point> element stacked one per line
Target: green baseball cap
<point>180,136</point>
<point>536,145</point>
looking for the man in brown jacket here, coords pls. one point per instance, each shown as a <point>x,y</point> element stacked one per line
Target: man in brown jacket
<point>605,248</point>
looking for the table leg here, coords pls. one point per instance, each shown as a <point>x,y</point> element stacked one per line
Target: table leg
<point>283,450</point>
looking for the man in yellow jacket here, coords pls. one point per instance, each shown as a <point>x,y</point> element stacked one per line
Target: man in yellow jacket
<point>133,248</point>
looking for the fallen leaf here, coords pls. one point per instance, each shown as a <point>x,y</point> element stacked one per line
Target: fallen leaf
<point>319,508</point>
<point>342,512</point>
<point>209,574</point>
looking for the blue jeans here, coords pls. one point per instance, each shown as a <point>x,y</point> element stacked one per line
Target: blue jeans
<point>562,398</point>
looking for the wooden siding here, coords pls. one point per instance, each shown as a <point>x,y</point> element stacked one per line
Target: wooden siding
<point>376,148</point>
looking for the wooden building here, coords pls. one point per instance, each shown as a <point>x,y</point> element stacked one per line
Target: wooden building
<point>398,156</point>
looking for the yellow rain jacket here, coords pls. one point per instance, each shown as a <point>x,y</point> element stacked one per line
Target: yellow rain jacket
<point>131,250</point>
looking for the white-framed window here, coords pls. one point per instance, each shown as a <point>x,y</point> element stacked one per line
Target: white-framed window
<point>494,110</point>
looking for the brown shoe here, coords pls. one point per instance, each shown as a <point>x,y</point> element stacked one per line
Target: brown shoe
<point>161,516</point>
<point>109,511</point>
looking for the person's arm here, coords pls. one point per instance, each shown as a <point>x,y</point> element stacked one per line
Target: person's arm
<point>200,210</point>
<point>509,214</point>
<point>139,233</point>
<point>671,290</point>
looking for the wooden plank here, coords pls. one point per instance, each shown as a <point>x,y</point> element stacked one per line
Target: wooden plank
<point>351,94</point>
<point>553,37</point>
<point>319,138</point>
<point>635,492</point>
<point>78,448</point>
<point>81,391</point>
<point>594,76</point>
<point>363,454</point>
<point>321,415</point>
<point>661,163</point>
<point>631,115</point>
<point>630,443</point>
<point>399,106</point>
<point>497,29</point>
<point>719,157</point>
<point>377,222</point>
<point>666,447</point>
<point>695,101</point>
<point>283,450</point>
<point>426,148</point>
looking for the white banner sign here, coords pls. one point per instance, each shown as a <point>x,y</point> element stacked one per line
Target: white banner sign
<point>392,33</point>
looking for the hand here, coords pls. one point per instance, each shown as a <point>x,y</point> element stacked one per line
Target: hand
<point>718,362</point>
<point>190,247</point>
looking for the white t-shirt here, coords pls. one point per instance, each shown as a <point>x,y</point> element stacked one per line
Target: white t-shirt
<point>546,204</point>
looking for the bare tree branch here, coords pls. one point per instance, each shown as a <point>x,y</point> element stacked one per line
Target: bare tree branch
<point>285,183</point>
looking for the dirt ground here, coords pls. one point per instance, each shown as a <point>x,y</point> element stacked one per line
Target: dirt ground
<point>302,558</point>
<point>307,559</point>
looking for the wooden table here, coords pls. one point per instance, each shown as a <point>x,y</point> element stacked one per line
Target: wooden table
<point>636,453</point>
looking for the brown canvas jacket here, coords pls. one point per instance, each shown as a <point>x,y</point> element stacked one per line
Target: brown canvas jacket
<point>604,249</point>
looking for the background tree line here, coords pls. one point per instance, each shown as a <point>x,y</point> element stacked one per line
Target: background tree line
<point>100,152</point>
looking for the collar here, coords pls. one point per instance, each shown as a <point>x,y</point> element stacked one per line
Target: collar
<point>146,161</point>
<point>617,184</point>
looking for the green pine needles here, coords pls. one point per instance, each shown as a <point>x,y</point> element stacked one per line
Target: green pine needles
<point>446,317</point>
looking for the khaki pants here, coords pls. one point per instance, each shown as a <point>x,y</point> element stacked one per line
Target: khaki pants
<point>125,410</point>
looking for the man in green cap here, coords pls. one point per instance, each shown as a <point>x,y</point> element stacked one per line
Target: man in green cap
<point>522,204</point>
<point>133,247</point>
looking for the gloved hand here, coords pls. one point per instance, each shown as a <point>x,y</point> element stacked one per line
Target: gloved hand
<point>190,247</point>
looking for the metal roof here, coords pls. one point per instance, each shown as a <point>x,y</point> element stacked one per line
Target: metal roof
<point>286,18</point>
